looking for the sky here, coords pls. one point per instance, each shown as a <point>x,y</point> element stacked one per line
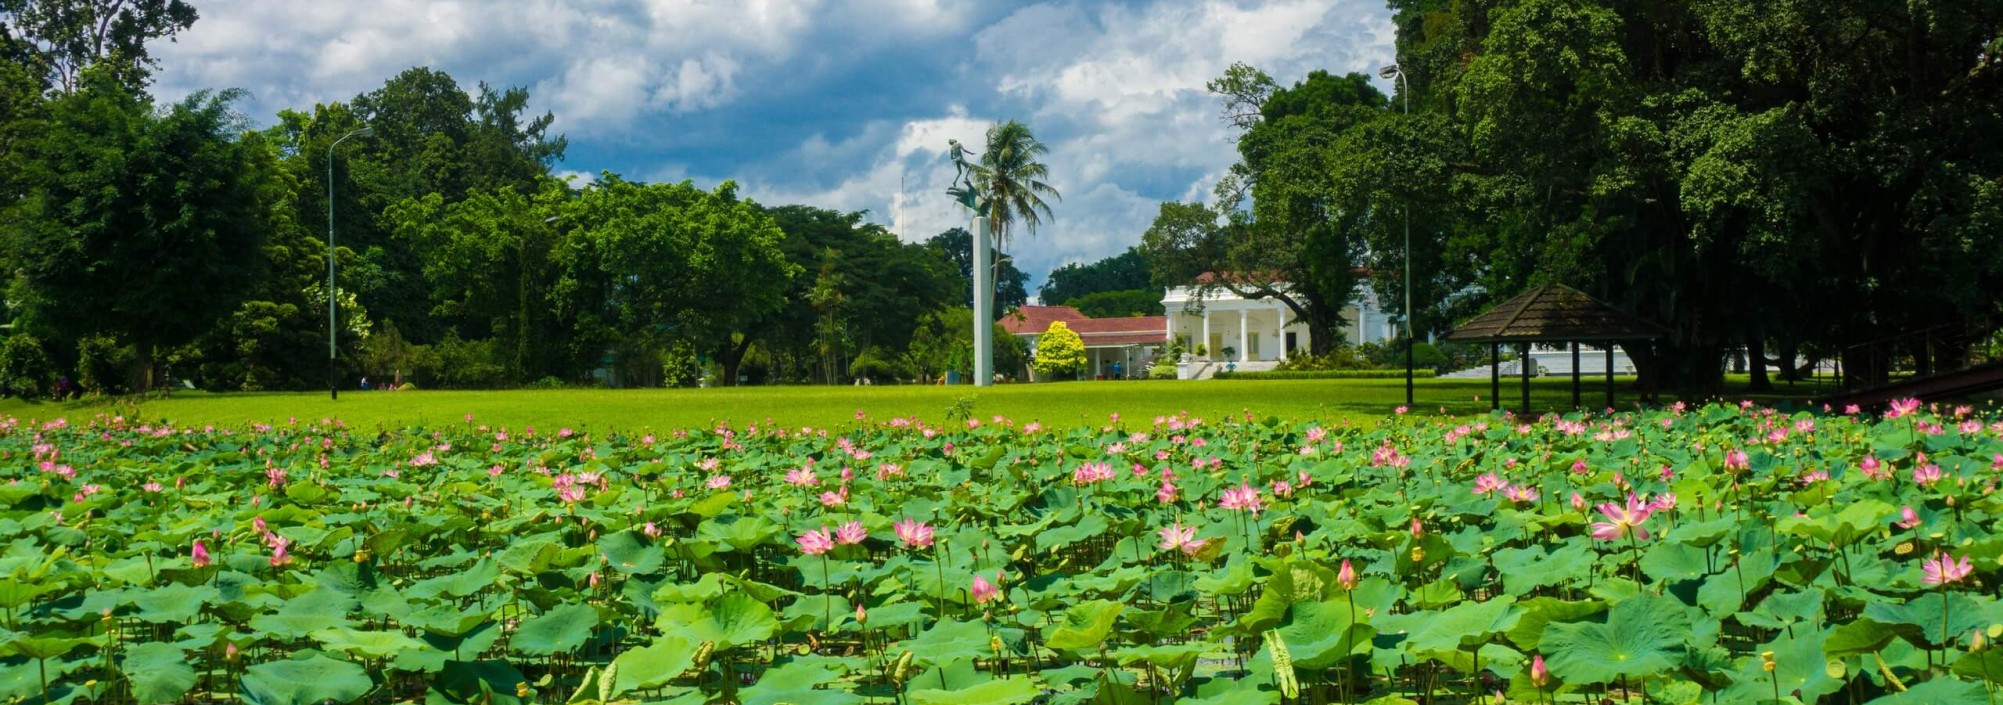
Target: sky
<point>841,104</point>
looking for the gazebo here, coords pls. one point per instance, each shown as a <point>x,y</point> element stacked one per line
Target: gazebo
<point>1552,314</point>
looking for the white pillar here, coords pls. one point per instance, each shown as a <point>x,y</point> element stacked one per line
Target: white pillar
<point>1168,335</point>
<point>1280,331</point>
<point>1207,352</point>
<point>1244,334</point>
<point>984,320</point>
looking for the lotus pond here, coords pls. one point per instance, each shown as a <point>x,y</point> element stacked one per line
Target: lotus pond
<point>1724,554</point>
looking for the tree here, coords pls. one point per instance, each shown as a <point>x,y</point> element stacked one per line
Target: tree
<point>1784,176</point>
<point>1304,233</point>
<point>1010,179</point>
<point>886,285</point>
<point>956,246</point>
<point>490,271</point>
<point>655,265</point>
<point>136,224</point>
<point>63,38</point>
<point>1122,272</point>
<point>1060,352</point>
<point>1119,304</point>
<point>944,340</point>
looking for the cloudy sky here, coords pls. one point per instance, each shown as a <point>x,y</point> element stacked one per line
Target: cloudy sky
<point>843,104</point>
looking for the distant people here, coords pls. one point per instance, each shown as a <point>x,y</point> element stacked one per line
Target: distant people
<point>1119,370</point>
<point>365,384</point>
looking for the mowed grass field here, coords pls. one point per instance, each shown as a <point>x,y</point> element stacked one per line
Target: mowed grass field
<point>1058,404</point>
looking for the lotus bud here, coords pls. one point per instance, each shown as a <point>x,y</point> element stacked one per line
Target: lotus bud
<point>1766,661</point>
<point>522,690</point>
<point>1978,642</point>
<point>702,653</point>
<point>1347,576</point>
<point>995,642</point>
<point>861,617</point>
<point>1539,675</point>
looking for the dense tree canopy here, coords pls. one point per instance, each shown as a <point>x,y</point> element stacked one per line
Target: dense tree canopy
<point>1791,175</point>
<point>956,246</point>
<point>1122,272</point>
<point>135,221</point>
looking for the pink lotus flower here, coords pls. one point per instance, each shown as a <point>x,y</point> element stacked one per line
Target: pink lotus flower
<point>802,477</point>
<point>1941,570</point>
<point>1902,407</point>
<point>1622,521</point>
<point>1907,518</point>
<point>1418,530</point>
<point>851,532</point>
<point>815,542</point>
<point>1520,494</point>
<point>1578,502</point>
<point>1176,537</point>
<point>1488,483</point>
<point>913,533</point>
<point>1926,475</point>
<point>1736,459</point>
<point>1166,494</point>
<point>1347,576</point>
<point>1663,502</point>
<point>200,555</point>
<point>1873,469</point>
<point>650,530</point>
<point>279,556</point>
<point>1539,675</point>
<point>718,482</point>
<point>835,498</point>
<point>1243,498</point>
<point>984,591</point>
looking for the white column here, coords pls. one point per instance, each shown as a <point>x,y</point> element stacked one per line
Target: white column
<point>1212,354</point>
<point>1168,335</point>
<point>1244,334</point>
<point>984,322</point>
<point>1280,331</point>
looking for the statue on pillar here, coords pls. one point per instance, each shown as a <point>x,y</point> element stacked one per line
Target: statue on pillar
<point>962,189</point>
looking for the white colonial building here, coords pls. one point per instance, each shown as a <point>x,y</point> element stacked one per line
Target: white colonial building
<point>1226,327</point>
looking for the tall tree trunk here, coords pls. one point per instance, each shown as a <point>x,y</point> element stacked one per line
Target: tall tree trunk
<point>731,356</point>
<point>1756,354</point>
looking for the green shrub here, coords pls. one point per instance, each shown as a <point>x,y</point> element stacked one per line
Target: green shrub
<point>103,364</point>
<point>1327,374</point>
<point>1163,369</point>
<point>25,370</point>
<point>878,365</point>
<point>550,382</point>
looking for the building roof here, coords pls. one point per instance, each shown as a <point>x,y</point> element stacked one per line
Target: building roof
<point>1130,330</point>
<point>1553,313</point>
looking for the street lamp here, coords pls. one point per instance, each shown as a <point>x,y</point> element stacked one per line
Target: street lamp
<point>1411,341</point>
<point>333,373</point>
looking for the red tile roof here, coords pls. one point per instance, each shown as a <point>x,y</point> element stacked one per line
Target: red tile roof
<point>1034,320</point>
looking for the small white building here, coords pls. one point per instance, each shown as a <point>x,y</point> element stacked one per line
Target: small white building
<point>1233,328</point>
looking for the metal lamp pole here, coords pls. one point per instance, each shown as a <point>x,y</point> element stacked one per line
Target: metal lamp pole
<point>333,295</point>
<point>1411,339</point>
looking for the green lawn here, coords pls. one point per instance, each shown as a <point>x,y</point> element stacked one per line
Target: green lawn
<point>639,409</point>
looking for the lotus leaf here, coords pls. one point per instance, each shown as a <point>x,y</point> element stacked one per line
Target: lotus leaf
<point>1642,636</point>
<point>306,679</point>
<point>557,631</point>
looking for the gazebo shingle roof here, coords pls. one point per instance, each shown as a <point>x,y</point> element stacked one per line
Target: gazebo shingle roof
<point>1553,313</point>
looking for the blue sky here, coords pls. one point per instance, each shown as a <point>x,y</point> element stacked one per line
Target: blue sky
<point>837,104</point>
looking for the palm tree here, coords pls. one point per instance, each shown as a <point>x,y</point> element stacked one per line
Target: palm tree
<point>1010,179</point>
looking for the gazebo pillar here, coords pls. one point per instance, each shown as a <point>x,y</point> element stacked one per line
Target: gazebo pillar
<point>1610,374</point>
<point>1575,375</point>
<point>1494,376</point>
<point>1525,369</point>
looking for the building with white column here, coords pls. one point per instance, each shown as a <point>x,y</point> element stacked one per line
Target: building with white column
<point>1225,327</point>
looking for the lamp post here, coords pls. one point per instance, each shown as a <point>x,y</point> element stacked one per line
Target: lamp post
<point>1411,340</point>
<point>333,372</point>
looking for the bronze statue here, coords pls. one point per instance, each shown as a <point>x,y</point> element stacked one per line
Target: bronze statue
<point>962,189</point>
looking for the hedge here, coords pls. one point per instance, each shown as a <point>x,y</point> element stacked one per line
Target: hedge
<point>1326,374</point>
